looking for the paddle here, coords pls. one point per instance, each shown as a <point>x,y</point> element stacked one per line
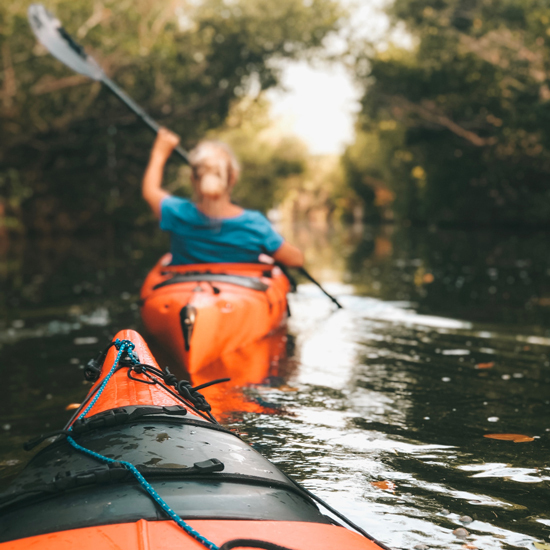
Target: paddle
<point>305,273</point>
<point>317,283</point>
<point>62,46</point>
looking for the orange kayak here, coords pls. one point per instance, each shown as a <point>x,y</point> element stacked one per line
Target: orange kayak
<point>143,465</point>
<point>201,312</point>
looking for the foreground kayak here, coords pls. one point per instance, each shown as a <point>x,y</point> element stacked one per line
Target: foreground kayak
<point>141,467</point>
<point>201,312</point>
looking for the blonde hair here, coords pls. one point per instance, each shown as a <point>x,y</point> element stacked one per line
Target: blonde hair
<point>213,188</point>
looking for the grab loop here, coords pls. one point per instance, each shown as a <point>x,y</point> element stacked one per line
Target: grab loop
<point>141,369</point>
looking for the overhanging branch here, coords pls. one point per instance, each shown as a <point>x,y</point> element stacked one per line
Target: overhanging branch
<point>430,115</point>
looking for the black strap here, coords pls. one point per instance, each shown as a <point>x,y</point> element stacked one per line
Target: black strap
<point>252,283</point>
<point>113,473</point>
<point>125,415</point>
<point>252,543</point>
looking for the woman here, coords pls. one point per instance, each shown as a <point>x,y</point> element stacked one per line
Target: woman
<point>213,229</point>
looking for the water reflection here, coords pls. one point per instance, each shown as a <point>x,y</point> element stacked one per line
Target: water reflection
<point>251,368</point>
<point>400,386</point>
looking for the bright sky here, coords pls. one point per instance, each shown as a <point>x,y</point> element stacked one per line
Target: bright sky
<point>319,104</point>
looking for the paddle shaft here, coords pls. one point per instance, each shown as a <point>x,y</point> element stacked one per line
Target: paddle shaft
<point>145,118</point>
<point>51,34</point>
<point>304,272</point>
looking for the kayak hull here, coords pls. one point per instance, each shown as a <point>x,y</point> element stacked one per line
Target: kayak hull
<point>201,312</point>
<point>66,498</point>
<point>165,535</point>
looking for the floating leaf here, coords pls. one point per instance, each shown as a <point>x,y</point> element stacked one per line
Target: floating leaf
<point>516,438</point>
<point>541,545</point>
<point>384,485</point>
<point>428,278</point>
<point>287,388</point>
<point>485,365</point>
<point>72,406</point>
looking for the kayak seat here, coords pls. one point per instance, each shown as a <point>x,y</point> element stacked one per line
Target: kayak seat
<point>253,283</point>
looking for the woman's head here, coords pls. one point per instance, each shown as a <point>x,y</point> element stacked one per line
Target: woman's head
<point>215,169</point>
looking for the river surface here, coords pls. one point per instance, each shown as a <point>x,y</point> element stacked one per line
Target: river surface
<point>380,408</point>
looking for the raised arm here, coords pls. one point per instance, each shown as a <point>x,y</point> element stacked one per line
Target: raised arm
<point>152,179</point>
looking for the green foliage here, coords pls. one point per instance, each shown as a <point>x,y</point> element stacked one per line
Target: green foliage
<point>77,153</point>
<point>458,127</point>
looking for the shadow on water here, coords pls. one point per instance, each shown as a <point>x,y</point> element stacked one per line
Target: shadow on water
<point>444,339</point>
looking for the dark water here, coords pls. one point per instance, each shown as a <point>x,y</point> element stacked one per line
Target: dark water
<point>387,390</point>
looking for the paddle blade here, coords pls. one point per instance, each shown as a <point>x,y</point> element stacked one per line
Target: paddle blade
<point>60,44</point>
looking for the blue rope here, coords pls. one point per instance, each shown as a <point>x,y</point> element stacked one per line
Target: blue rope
<point>122,346</point>
<point>128,347</point>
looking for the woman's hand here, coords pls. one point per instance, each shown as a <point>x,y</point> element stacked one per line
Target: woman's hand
<point>165,143</point>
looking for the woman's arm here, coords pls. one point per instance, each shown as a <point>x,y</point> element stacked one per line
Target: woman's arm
<point>152,179</point>
<point>289,255</point>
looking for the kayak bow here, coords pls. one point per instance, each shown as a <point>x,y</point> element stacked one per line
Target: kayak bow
<point>81,490</point>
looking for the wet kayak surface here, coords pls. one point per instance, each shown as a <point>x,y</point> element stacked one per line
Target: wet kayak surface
<point>381,408</point>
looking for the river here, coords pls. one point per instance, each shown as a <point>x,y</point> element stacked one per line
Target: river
<point>380,408</point>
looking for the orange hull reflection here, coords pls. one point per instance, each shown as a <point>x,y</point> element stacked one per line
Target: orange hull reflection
<point>254,364</point>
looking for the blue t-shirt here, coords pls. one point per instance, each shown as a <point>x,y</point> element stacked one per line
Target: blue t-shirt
<point>196,238</point>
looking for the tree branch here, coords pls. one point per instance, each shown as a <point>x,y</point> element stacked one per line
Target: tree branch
<point>440,119</point>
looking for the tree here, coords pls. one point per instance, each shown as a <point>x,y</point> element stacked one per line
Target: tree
<point>72,156</point>
<point>458,126</point>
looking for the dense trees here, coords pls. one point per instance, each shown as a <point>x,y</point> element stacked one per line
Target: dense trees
<point>72,156</point>
<point>452,129</point>
<point>456,128</point>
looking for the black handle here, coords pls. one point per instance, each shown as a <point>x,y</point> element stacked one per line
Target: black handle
<point>133,106</point>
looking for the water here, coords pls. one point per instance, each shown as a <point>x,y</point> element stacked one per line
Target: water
<point>380,408</point>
